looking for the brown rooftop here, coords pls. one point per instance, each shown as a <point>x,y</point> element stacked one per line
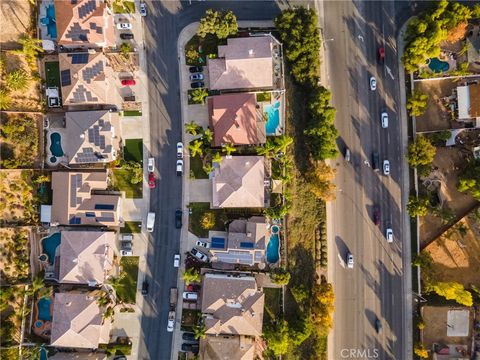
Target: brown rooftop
<point>231,347</point>
<point>474,100</point>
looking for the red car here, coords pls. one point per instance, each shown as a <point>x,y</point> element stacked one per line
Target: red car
<point>376,215</point>
<point>381,54</point>
<point>128,82</point>
<point>193,288</point>
<point>151,180</point>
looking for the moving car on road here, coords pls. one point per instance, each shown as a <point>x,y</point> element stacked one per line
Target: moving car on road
<point>176,260</point>
<point>178,219</point>
<point>384,117</point>
<point>386,167</point>
<point>145,288</point>
<point>180,150</point>
<point>195,77</point>
<point>349,260</point>
<point>197,85</point>
<point>124,26</point>
<point>347,154</point>
<point>376,215</point>
<point>389,235</point>
<point>378,325</point>
<point>143,9</point>
<point>381,54</point>
<point>375,161</point>
<point>373,83</point>
<point>195,69</point>
<point>179,167</point>
<point>190,347</point>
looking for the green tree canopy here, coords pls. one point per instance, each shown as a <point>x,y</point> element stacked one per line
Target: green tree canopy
<point>417,103</point>
<point>196,148</point>
<point>417,206</point>
<point>199,95</point>
<point>191,275</point>
<point>421,152</point>
<point>193,128</point>
<point>222,24</point>
<point>278,338</point>
<point>453,291</point>
<point>469,179</point>
<point>280,276</point>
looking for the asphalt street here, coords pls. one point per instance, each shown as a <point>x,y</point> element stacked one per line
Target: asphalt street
<point>375,288</point>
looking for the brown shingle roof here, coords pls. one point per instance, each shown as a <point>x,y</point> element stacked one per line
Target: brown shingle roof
<point>227,347</point>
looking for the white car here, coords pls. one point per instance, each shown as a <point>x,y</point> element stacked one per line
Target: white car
<point>196,77</point>
<point>171,321</point>
<point>199,255</point>
<point>386,167</point>
<point>176,260</point>
<point>151,165</point>
<point>180,150</point>
<point>350,261</point>
<point>124,26</point>
<point>126,252</point>
<point>373,83</point>
<point>384,117</point>
<point>389,235</point>
<point>143,9</point>
<point>150,221</point>
<point>202,243</point>
<point>192,296</point>
<point>179,167</point>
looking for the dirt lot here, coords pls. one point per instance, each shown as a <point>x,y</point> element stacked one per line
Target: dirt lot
<point>449,161</point>
<point>456,254</point>
<point>15,15</point>
<point>120,63</point>
<point>437,116</point>
<point>435,318</point>
<point>15,194</point>
<point>14,256</point>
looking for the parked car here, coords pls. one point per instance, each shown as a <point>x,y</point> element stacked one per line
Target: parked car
<point>143,9</point>
<point>195,69</point>
<point>384,117</point>
<point>202,243</point>
<point>197,85</point>
<point>151,180</point>
<point>193,287</point>
<point>176,260</point>
<point>375,161</point>
<point>199,255</point>
<point>178,219</point>
<point>124,26</point>
<point>373,83</point>
<point>171,321</point>
<point>150,221</point>
<point>192,296</point>
<point>151,164</point>
<point>349,260</point>
<point>389,235</point>
<point>386,167</point>
<point>179,167</point>
<point>128,82</point>
<point>381,54</point>
<point>195,77</point>
<point>190,347</point>
<point>347,154</point>
<point>126,36</point>
<point>378,325</point>
<point>145,286</point>
<point>376,215</point>
<point>187,336</point>
<point>180,150</point>
<point>126,252</point>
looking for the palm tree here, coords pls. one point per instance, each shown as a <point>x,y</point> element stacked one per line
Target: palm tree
<point>30,48</point>
<point>104,299</point>
<point>191,275</point>
<point>37,284</point>
<point>45,292</point>
<point>17,80</point>
<point>267,149</point>
<point>199,95</point>
<point>228,149</point>
<point>109,313</point>
<point>200,331</point>
<point>196,148</point>
<point>207,136</point>
<point>208,168</point>
<point>193,128</point>
<point>217,158</point>
<point>282,143</point>
<point>5,99</point>
<point>116,282</point>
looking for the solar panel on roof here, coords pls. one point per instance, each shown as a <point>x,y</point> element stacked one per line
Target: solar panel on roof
<point>65,77</point>
<point>104,207</point>
<point>79,58</point>
<point>246,245</point>
<point>217,243</point>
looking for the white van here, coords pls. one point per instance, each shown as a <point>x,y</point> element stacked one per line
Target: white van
<point>151,165</point>
<point>384,118</point>
<point>150,221</point>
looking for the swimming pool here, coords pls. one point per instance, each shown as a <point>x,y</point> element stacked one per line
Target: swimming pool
<point>44,309</point>
<point>272,249</point>
<point>56,144</point>
<point>49,245</point>
<point>437,65</point>
<point>273,117</point>
<point>50,22</point>
<point>43,354</point>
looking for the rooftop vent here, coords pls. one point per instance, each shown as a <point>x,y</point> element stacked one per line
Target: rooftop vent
<point>250,52</point>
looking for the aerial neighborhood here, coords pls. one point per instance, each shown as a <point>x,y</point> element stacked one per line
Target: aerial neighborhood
<point>246,181</point>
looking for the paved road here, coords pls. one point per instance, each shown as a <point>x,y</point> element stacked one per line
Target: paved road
<point>375,288</point>
<point>162,26</point>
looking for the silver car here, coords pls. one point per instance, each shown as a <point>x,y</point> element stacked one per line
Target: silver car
<point>386,167</point>
<point>350,261</point>
<point>373,83</point>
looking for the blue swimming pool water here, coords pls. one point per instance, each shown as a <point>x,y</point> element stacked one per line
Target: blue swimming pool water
<point>44,309</point>
<point>56,144</point>
<point>50,245</point>
<point>273,117</point>
<point>51,26</point>
<point>43,354</point>
<point>272,249</point>
<point>437,65</point>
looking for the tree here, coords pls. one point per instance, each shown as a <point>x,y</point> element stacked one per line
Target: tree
<point>277,337</point>
<point>417,103</point>
<point>282,143</point>
<point>323,300</point>
<point>221,24</point>
<point>199,95</point>
<point>17,80</point>
<point>422,259</point>
<point>469,179</point>
<point>192,56</point>
<point>453,291</point>
<point>30,48</point>
<point>195,148</point>
<point>193,128</point>
<point>136,172</point>
<point>280,276</point>
<point>208,220</point>
<point>421,152</point>
<point>41,179</point>
<point>208,168</point>
<point>5,99</point>
<point>417,206</point>
<point>217,158</point>
<point>320,181</point>
<point>125,49</point>
<point>109,313</point>
<point>277,212</point>
<point>207,137</point>
<point>36,285</point>
<point>476,11</point>
<point>420,351</point>
<point>191,275</point>
<point>268,149</point>
<point>199,331</point>
<point>228,149</point>
<point>104,299</point>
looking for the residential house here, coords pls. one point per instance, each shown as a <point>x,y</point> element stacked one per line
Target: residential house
<point>85,79</point>
<point>84,23</point>
<point>79,198</point>
<point>468,101</point>
<point>473,45</point>
<point>247,63</point>
<point>236,119</point>
<point>246,243</point>
<point>85,257</point>
<point>232,308</point>
<point>78,322</point>
<point>239,181</point>
<point>91,137</point>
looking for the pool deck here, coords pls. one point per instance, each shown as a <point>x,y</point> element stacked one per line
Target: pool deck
<point>280,97</point>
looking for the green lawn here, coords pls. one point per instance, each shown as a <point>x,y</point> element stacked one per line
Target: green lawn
<point>196,166</point>
<point>264,96</point>
<point>52,71</point>
<point>205,46</point>
<point>121,182</point>
<point>273,309</point>
<point>133,150</point>
<point>123,7</point>
<point>198,209</point>
<point>132,113</point>
<point>131,227</point>
<point>190,318</point>
<point>127,291</point>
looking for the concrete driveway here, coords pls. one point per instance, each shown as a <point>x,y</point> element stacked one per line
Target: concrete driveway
<point>200,190</point>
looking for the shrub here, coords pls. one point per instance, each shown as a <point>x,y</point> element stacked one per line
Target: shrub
<point>208,220</point>
<point>280,276</point>
<point>17,80</point>
<point>417,206</point>
<point>417,103</point>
